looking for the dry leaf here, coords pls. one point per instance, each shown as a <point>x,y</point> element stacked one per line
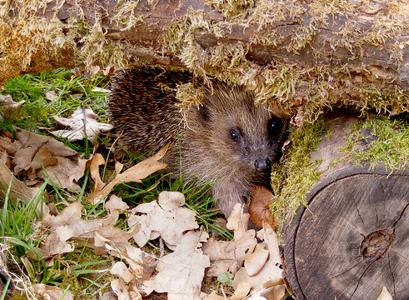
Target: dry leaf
<point>69,225</point>
<point>66,173</point>
<point>48,292</point>
<point>166,219</point>
<point>113,234</point>
<point>93,70</point>
<point>100,90</point>
<point>259,207</point>
<point>53,245</point>
<point>385,295</point>
<point>76,96</point>
<point>70,214</point>
<point>133,174</point>
<point>269,273</point>
<point>96,161</point>
<point>256,260</point>
<point>258,281</point>
<point>44,157</point>
<point>7,145</point>
<point>18,189</point>
<point>242,291</point>
<point>7,100</point>
<point>212,296</point>
<point>121,270</point>
<point>133,256</point>
<point>141,266</point>
<point>180,273</point>
<point>124,291</point>
<point>118,167</point>
<point>268,235</point>
<point>4,158</point>
<point>51,96</point>
<point>115,203</point>
<point>9,108</point>
<point>228,256</point>
<point>86,228</point>
<point>238,221</point>
<point>270,293</point>
<point>83,124</point>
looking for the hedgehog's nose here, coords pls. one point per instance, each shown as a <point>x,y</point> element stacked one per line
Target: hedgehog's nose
<point>262,165</point>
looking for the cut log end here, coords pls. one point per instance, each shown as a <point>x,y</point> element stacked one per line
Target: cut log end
<point>352,240</point>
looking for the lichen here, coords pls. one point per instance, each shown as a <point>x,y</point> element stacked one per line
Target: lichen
<point>390,146</point>
<point>296,174</point>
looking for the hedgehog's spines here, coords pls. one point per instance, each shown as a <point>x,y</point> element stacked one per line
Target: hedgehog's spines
<point>142,105</point>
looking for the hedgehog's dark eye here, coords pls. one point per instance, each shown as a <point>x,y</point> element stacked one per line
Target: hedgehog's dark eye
<point>235,134</point>
<point>273,126</point>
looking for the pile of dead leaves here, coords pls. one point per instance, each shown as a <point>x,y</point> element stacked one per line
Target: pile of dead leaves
<point>252,258</point>
<point>250,262</point>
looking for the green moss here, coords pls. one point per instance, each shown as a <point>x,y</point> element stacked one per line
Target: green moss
<point>374,141</point>
<point>391,146</point>
<point>32,42</point>
<point>385,101</point>
<point>80,271</point>
<point>303,91</point>
<point>296,174</point>
<point>189,95</point>
<point>98,50</point>
<point>124,14</point>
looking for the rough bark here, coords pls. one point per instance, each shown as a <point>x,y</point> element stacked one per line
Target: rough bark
<point>299,56</point>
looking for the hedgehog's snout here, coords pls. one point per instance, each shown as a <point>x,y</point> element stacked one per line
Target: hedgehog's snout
<point>263,165</point>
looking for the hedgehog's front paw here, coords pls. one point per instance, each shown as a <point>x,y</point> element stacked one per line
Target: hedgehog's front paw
<point>228,194</point>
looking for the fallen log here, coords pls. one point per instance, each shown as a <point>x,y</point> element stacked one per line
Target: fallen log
<point>299,56</point>
<point>350,240</point>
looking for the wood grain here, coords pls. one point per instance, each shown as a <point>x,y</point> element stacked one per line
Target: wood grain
<point>352,239</point>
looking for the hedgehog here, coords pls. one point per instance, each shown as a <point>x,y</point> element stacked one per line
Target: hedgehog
<point>227,140</point>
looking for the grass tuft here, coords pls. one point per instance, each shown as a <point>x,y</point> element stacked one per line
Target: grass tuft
<point>72,92</point>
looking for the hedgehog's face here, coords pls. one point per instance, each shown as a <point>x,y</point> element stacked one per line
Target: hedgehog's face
<point>259,152</point>
<point>242,136</point>
<point>254,149</point>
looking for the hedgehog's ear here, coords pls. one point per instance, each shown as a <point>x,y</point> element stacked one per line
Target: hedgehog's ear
<point>204,113</point>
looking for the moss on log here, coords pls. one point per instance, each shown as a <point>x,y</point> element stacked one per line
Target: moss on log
<point>298,56</point>
<point>321,149</point>
<point>349,238</point>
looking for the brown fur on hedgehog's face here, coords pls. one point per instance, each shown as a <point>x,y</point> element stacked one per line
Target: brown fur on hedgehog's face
<point>242,139</point>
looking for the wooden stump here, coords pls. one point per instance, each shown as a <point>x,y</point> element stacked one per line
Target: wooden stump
<point>353,238</point>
